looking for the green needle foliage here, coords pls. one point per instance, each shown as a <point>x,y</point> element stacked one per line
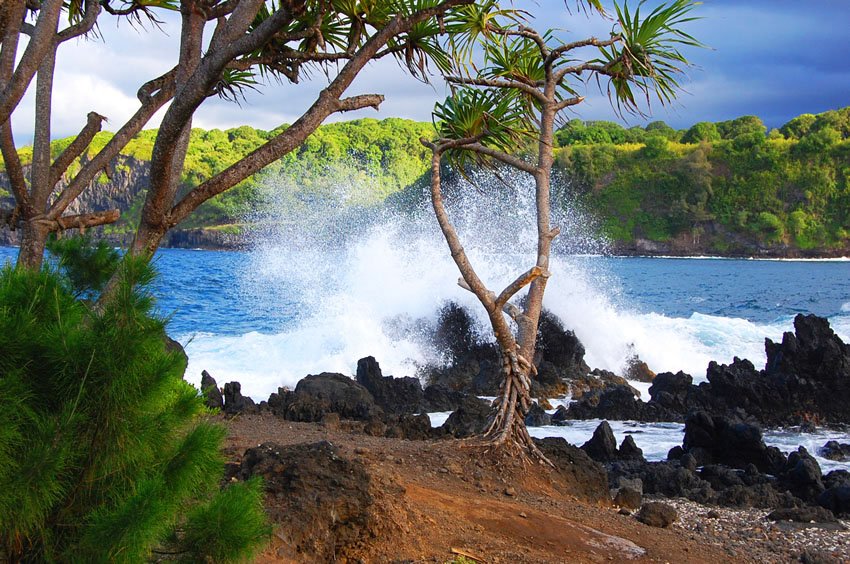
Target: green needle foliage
<point>105,453</point>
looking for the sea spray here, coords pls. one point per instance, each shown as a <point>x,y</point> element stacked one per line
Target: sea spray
<point>344,282</point>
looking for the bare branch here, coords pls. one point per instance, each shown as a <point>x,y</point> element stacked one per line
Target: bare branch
<point>578,69</point>
<point>499,83</point>
<point>528,33</point>
<point>590,42</point>
<point>85,25</point>
<point>359,102</point>
<point>563,104</point>
<point>524,279</point>
<point>93,125</point>
<point>148,89</point>
<point>41,42</point>
<point>82,221</point>
<point>221,10</point>
<point>503,157</point>
<point>14,170</point>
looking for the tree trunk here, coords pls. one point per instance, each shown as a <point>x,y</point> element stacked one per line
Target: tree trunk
<point>33,241</point>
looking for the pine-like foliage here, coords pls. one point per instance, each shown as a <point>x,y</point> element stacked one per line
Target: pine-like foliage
<point>105,453</point>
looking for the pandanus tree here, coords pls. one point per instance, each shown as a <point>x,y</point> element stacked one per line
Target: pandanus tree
<point>281,40</point>
<point>44,194</point>
<point>526,80</point>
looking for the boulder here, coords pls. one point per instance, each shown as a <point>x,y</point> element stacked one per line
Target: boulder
<point>670,391</point>
<point>638,370</point>
<point>802,475</point>
<point>629,450</point>
<point>628,498</point>
<point>716,439</point>
<point>209,389</point>
<point>442,398</point>
<point>837,500</point>
<point>804,514</point>
<point>410,427</point>
<point>469,419</point>
<point>657,514</point>
<point>585,478</point>
<point>235,402</point>
<point>393,395</point>
<point>537,417</point>
<point>319,500</point>
<point>833,450</point>
<point>602,447</point>
<point>316,395</point>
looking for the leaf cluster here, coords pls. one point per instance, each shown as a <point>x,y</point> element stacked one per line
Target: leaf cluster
<point>105,455</point>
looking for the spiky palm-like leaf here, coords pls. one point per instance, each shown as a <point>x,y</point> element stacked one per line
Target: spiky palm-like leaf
<point>648,60</point>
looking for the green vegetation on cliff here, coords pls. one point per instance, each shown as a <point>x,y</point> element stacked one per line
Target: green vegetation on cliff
<point>715,187</point>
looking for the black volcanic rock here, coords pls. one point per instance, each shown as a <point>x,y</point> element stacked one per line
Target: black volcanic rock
<point>393,395</point>
<point>316,395</point>
<point>716,439</point>
<point>602,446</point>
<point>469,419</point>
<point>235,402</point>
<point>537,417</point>
<point>212,395</point>
<point>833,450</point>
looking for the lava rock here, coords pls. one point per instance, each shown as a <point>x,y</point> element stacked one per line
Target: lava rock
<point>805,514</point>
<point>319,500</point>
<point>670,391</point>
<point>212,395</point>
<point>469,419</point>
<point>441,398</point>
<point>536,417</point>
<point>638,370</point>
<point>410,427</point>
<point>833,450</point>
<point>393,395</point>
<point>235,402</point>
<point>628,498</point>
<point>630,450</point>
<point>316,395</point>
<point>802,475</point>
<point>602,446</point>
<point>716,439</point>
<point>585,478</point>
<point>657,514</point>
<point>837,500</point>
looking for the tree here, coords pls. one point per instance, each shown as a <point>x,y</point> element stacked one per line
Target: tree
<point>525,81</point>
<point>253,37</point>
<point>704,131</point>
<point>105,451</point>
<point>39,209</point>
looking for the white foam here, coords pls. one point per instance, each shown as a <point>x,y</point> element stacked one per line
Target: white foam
<point>845,307</point>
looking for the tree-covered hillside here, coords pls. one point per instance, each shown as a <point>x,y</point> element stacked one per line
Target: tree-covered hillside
<point>726,187</point>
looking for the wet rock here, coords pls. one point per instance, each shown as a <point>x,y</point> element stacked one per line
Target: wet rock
<point>393,395</point>
<point>602,447</point>
<point>469,419</point>
<point>833,450</point>
<point>560,416</point>
<point>235,402</point>
<point>584,477</point>
<point>316,395</point>
<point>536,417</point>
<point>319,500</point>
<point>630,450</point>
<point>618,403</point>
<point>670,391</point>
<point>716,439</point>
<point>638,370</point>
<point>802,475</point>
<point>628,498</point>
<point>657,514</point>
<point>212,394</point>
<point>441,398</point>
<point>837,479</point>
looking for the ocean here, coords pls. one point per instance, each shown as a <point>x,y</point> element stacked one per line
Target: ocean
<point>317,294</point>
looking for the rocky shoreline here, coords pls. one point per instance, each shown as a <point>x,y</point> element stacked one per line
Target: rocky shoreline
<point>722,462</point>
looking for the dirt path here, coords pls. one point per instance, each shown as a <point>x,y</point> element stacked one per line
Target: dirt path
<point>431,497</point>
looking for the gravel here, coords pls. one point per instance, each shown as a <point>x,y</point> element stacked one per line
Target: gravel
<point>746,534</point>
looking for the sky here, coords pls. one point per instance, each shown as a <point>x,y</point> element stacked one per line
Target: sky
<point>772,58</point>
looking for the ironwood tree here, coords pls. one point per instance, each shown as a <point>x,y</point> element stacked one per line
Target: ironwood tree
<point>516,94</point>
<point>44,192</point>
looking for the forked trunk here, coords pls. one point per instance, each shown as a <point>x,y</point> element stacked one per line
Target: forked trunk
<point>33,242</point>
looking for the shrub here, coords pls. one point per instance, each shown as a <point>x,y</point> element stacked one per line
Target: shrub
<point>105,453</point>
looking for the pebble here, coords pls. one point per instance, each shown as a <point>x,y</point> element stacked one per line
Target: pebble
<point>511,492</point>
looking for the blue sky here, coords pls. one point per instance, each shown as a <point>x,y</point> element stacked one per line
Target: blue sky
<point>775,59</point>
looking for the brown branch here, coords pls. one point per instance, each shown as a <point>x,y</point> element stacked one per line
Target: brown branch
<point>528,33</point>
<point>563,104</point>
<point>499,83</point>
<point>14,170</point>
<point>221,10</point>
<point>590,42</point>
<point>293,136</point>
<point>41,42</point>
<point>93,125</point>
<point>359,102</point>
<point>82,221</point>
<point>578,69</point>
<point>85,25</point>
<point>503,157</point>
<point>518,284</point>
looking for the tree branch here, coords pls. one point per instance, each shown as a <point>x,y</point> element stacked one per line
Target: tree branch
<point>83,26</point>
<point>359,102</point>
<point>93,125</point>
<point>40,43</point>
<point>509,160</point>
<point>528,33</point>
<point>563,104</point>
<point>82,221</point>
<point>578,69</point>
<point>524,279</point>
<point>590,42</point>
<point>14,170</point>
<point>499,83</point>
